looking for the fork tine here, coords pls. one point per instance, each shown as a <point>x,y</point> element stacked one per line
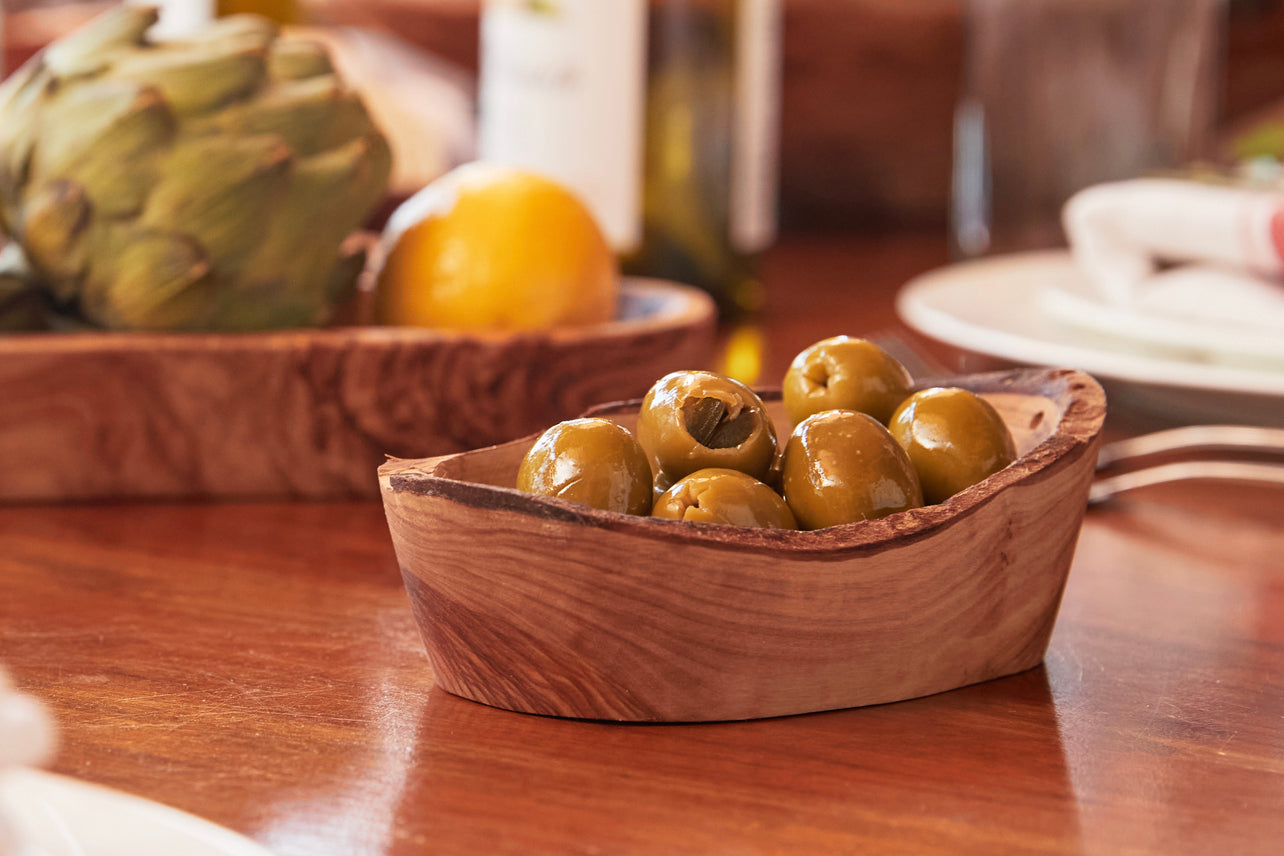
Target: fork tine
<point>917,362</point>
<point>1194,438</point>
<point>1105,489</point>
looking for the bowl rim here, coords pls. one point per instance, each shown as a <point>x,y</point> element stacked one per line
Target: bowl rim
<point>1083,408</point>
<point>678,306</point>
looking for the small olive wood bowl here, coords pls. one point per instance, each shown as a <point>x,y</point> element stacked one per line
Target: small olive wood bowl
<point>543,606</point>
<point>310,413</point>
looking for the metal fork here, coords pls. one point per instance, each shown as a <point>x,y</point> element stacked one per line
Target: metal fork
<point>1192,439</point>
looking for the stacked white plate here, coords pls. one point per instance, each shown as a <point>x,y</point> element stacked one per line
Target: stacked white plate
<point>1190,361</point>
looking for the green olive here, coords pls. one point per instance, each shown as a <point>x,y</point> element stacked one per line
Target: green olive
<point>693,420</point>
<point>954,438</point>
<point>717,495</point>
<point>841,466</point>
<point>844,373</point>
<point>594,462</point>
<point>662,481</point>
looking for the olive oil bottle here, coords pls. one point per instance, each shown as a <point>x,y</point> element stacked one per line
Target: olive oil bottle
<point>662,115</point>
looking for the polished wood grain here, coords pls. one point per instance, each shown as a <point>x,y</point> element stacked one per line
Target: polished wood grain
<point>542,606</point>
<point>258,664</point>
<point>309,414</point>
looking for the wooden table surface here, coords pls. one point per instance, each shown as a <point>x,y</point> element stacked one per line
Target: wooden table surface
<point>257,665</point>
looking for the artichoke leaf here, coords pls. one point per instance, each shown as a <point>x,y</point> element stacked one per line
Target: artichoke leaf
<point>75,120</point>
<point>91,47</point>
<point>300,111</point>
<point>20,95</point>
<point>344,183</point>
<point>294,58</point>
<point>342,282</point>
<point>225,194</point>
<point>298,263</point>
<point>107,139</point>
<point>22,304</point>
<point>153,280</point>
<point>22,88</point>
<point>53,232</point>
<point>195,80</point>
<point>348,122</point>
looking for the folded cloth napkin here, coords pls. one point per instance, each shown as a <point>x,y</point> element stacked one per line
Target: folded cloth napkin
<point>27,737</point>
<point>1207,255</point>
<point>27,733</point>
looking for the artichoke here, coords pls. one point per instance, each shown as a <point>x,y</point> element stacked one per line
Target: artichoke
<point>208,183</point>
<point>21,305</point>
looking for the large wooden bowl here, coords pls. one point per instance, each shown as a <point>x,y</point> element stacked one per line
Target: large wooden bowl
<point>543,606</point>
<point>309,413</point>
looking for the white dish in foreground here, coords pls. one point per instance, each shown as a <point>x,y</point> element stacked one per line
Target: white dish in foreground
<point>998,307</point>
<point>53,815</point>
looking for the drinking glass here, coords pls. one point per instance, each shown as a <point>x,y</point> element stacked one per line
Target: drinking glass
<point>1061,94</point>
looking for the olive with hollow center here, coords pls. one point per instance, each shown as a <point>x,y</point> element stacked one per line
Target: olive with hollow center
<point>841,466</point>
<point>718,495</point>
<point>953,437</point>
<point>844,373</point>
<point>692,420</point>
<point>594,462</point>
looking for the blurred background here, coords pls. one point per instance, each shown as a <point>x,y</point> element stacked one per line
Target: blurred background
<point>868,98</point>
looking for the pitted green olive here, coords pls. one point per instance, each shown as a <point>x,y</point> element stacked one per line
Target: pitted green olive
<point>844,373</point>
<point>693,420</point>
<point>661,482</point>
<point>841,466</point>
<point>594,462</point>
<point>717,495</point>
<point>954,438</point>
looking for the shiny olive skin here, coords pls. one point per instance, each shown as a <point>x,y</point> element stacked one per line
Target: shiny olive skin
<point>841,466</point>
<point>692,420</point>
<point>844,373</point>
<point>662,481</point>
<point>953,437</point>
<point>594,462</point>
<point>718,495</point>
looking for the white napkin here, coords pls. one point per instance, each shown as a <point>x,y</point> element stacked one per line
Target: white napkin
<point>27,734</point>
<point>1190,266</point>
<point>45,814</point>
<point>27,737</point>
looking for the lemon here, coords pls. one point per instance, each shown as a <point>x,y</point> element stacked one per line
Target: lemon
<point>488,247</point>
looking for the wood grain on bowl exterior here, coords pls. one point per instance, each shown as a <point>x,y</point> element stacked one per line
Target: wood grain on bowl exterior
<point>542,606</point>
<point>308,413</point>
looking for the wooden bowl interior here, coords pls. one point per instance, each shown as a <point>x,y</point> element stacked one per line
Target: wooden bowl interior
<point>1031,419</point>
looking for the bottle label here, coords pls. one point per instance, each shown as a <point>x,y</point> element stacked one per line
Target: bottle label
<point>755,152</point>
<point>562,84</point>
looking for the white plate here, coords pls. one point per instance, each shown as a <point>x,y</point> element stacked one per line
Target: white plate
<point>998,307</point>
<point>54,815</point>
